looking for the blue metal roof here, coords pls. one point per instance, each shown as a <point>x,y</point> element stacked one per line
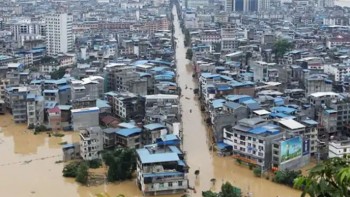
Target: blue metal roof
<point>176,150</point>
<point>222,145</point>
<point>217,103</point>
<point>232,105</point>
<point>310,122</point>
<point>286,110</point>
<point>128,132</point>
<point>163,77</point>
<point>143,74</point>
<point>30,96</point>
<point>160,62</point>
<point>102,103</point>
<point>146,157</point>
<point>51,91</point>
<point>50,104</point>
<point>154,126</point>
<point>65,146</point>
<point>209,75</point>
<point>64,87</point>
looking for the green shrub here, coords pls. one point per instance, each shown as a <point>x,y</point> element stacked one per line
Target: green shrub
<point>82,173</point>
<point>96,163</point>
<point>251,166</point>
<point>257,172</point>
<point>70,170</point>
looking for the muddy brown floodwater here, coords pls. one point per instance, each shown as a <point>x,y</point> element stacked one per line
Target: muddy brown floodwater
<point>28,168</point>
<point>196,143</point>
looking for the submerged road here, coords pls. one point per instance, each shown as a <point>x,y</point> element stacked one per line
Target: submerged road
<point>195,132</point>
<point>196,143</point>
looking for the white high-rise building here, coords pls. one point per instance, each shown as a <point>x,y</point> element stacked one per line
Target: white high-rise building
<point>59,36</point>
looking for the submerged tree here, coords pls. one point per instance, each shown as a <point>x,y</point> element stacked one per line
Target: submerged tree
<point>82,173</point>
<point>121,164</point>
<point>227,190</point>
<point>330,178</point>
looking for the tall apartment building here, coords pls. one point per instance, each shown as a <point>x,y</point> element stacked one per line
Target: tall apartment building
<point>35,109</point>
<point>59,37</point>
<point>16,98</point>
<point>246,5</point>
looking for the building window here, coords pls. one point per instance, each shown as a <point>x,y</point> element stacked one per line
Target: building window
<point>170,184</point>
<point>161,185</point>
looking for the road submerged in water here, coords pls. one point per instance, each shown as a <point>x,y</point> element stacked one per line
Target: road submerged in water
<point>196,142</point>
<point>28,162</point>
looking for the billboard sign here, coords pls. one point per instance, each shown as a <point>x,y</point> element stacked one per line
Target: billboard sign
<point>306,147</point>
<point>291,149</point>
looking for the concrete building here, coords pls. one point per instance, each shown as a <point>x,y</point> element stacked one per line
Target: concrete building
<point>24,29</point>
<point>16,102</point>
<point>85,117</point>
<point>246,5</point>
<point>160,107</point>
<point>338,148</point>
<point>128,137</point>
<point>121,77</point>
<point>54,117</point>
<point>91,143</point>
<point>161,170</point>
<point>59,36</point>
<point>128,105</point>
<point>290,153</point>
<point>251,140</point>
<point>35,109</point>
<point>317,83</point>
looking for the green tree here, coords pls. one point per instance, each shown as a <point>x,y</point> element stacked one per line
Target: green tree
<point>228,190</point>
<point>189,54</point>
<point>58,74</point>
<point>286,177</point>
<point>82,173</point>
<point>70,170</point>
<point>209,194</point>
<point>330,178</point>
<point>257,172</point>
<point>121,164</point>
<point>280,47</point>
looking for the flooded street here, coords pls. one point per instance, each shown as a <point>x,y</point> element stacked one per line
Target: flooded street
<point>28,168</point>
<point>196,144</point>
